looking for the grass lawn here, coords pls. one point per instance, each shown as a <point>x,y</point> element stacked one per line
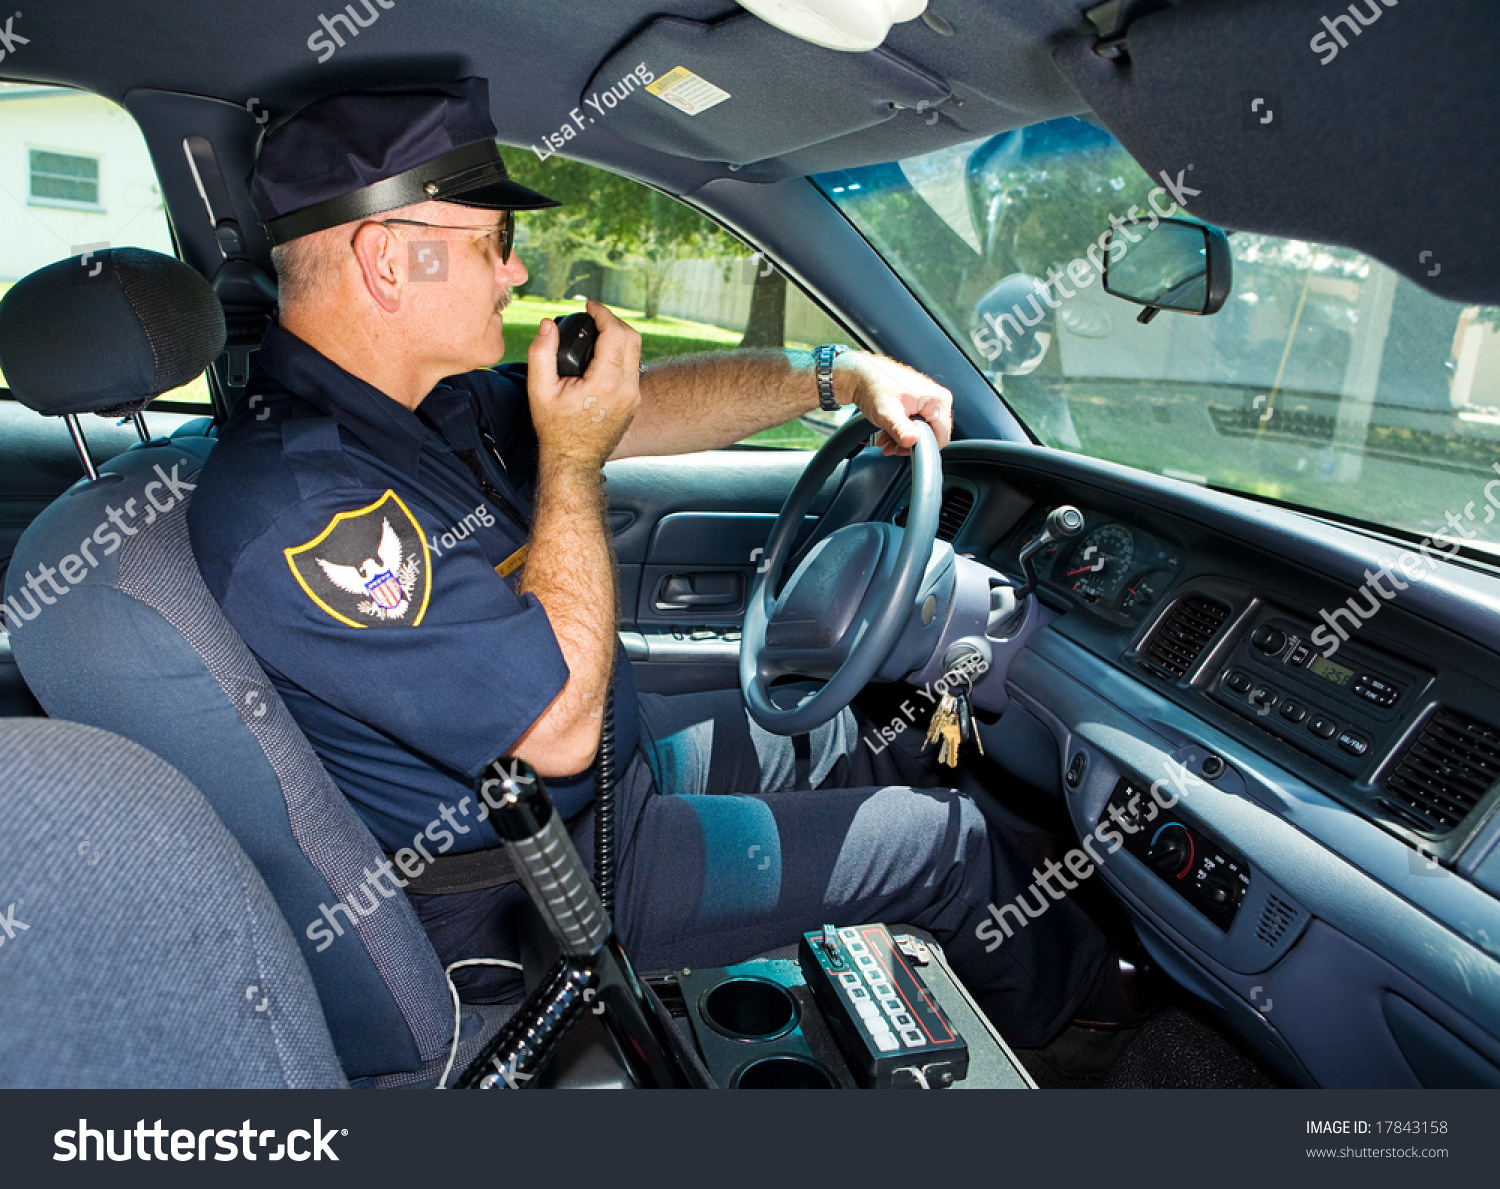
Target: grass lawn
<point>661,337</point>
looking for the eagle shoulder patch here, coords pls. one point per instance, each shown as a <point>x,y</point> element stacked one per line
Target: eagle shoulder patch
<point>369,567</point>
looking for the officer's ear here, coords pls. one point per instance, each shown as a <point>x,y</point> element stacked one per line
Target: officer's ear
<point>381,256</point>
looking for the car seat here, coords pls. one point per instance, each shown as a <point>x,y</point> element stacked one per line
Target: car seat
<point>138,945</point>
<point>112,626</point>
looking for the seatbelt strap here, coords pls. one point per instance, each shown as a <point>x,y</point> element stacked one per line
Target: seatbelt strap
<point>802,761</point>
<point>447,875</point>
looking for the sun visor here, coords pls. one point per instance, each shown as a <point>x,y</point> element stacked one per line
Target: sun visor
<point>739,91</point>
<point>1372,126</point>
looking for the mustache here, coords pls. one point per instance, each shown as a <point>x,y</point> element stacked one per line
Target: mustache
<point>505,300</point>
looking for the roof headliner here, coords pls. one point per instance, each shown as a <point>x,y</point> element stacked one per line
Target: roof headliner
<point>538,64</point>
<point>1355,162</point>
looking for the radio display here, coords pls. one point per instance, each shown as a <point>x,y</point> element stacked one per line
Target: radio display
<point>1329,671</point>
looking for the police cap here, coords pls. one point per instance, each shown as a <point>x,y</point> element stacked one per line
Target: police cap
<point>358,154</point>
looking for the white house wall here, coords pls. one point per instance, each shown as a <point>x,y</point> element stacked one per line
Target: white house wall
<point>34,233</point>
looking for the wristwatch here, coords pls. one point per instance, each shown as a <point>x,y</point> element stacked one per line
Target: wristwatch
<point>823,358</point>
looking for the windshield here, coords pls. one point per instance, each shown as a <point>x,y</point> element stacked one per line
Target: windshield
<point>1326,380</point>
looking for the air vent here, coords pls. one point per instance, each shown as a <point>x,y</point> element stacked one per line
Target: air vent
<point>1447,769</point>
<point>1183,634</point>
<point>1274,919</point>
<point>958,502</point>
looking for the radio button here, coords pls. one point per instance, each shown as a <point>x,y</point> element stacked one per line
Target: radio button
<point>1323,728</point>
<point>1239,682</point>
<point>1373,689</point>
<point>1353,744</point>
<point>1269,640</point>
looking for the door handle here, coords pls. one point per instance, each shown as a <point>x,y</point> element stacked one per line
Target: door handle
<point>681,592</point>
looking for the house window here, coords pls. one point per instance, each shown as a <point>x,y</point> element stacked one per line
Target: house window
<point>64,178</point>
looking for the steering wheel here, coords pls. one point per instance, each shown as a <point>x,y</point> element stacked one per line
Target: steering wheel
<point>844,609</point>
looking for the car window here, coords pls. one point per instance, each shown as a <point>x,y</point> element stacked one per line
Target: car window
<point>75,177</point>
<point>683,282</point>
<point>1327,381</point>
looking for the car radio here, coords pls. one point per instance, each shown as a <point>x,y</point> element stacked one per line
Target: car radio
<point>1342,707</point>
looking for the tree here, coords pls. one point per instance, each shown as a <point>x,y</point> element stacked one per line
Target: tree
<point>611,220</point>
<point>565,234</point>
<point>766,326</point>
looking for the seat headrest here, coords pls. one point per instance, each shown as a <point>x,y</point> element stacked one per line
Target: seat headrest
<point>107,330</point>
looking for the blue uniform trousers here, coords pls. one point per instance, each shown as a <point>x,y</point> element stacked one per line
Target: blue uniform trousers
<point>734,841</point>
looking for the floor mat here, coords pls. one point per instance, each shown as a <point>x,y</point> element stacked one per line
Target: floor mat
<point>1173,1050</point>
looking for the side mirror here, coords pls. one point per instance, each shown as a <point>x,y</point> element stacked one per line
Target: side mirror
<point>1177,265</point>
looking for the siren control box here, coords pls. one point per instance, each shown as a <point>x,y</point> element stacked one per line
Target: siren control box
<point>886,1021</point>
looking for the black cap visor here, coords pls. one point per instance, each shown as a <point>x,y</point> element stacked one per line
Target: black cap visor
<point>473,175</point>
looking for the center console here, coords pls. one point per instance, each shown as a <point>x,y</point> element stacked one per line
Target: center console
<point>853,1008</point>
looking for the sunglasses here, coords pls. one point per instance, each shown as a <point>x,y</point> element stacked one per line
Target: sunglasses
<point>506,230</point>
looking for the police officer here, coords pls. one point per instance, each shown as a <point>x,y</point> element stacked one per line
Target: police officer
<point>415,547</point>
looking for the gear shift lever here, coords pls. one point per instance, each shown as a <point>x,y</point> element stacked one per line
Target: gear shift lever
<point>1063,522</point>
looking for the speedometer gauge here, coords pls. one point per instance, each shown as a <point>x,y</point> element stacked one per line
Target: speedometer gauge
<point>1101,563</point>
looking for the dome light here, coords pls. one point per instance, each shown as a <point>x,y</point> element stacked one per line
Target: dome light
<point>854,26</point>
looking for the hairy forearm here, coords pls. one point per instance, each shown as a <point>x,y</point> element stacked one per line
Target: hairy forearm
<point>704,402</point>
<point>570,569</point>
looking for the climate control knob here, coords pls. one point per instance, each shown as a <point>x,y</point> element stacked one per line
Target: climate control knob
<point>1171,851</point>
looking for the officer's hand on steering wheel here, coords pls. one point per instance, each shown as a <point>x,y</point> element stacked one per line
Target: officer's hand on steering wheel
<point>584,417</point>
<point>890,394</point>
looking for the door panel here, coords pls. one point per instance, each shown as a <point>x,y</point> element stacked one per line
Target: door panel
<point>700,565</point>
<point>689,531</point>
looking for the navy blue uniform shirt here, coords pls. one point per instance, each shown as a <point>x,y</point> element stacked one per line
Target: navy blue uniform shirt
<point>350,543</point>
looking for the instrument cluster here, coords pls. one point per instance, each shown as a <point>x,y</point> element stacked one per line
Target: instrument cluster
<point>1115,569</point>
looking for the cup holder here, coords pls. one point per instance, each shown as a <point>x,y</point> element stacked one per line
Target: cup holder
<point>783,1072</point>
<point>749,1009</point>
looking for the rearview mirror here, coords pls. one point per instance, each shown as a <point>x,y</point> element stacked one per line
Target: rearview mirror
<point>1177,265</point>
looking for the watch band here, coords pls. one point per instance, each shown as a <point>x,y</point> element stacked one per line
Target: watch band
<point>823,358</point>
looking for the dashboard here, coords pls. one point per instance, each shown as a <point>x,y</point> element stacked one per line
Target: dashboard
<point>1334,847</point>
